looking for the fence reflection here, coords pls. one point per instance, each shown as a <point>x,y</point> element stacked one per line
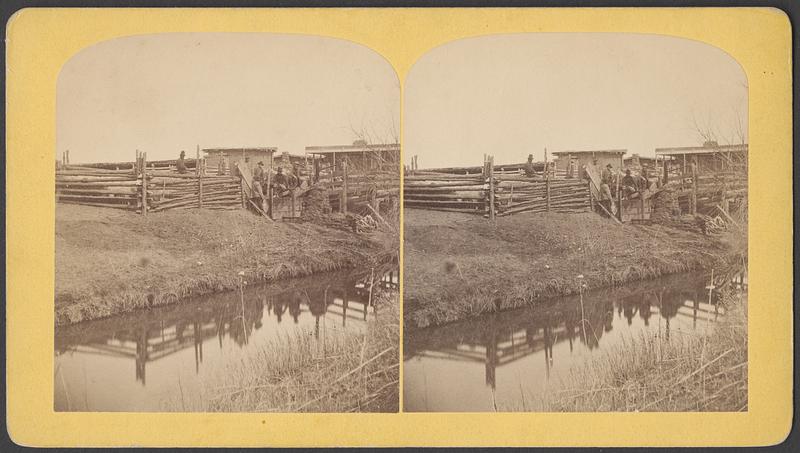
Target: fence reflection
<point>500,339</point>
<point>151,335</point>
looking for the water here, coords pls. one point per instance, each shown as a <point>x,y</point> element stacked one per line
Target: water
<point>498,360</point>
<point>141,361</point>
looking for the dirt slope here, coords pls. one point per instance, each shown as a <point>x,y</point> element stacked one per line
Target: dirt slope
<point>111,261</point>
<point>460,265</point>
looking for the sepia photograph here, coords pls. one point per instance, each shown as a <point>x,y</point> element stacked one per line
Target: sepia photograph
<point>575,226</point>
<point>227,226</point>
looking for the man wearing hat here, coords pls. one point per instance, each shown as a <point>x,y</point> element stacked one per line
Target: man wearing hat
<point>222,169</point>
<point>258,180</point>
<point>607,179</point>
<point>181,165</point>
<point>629,184</point>
<point>529,171</point>
<point>280,182</point>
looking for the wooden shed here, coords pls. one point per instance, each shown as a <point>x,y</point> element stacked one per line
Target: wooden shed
<point>235,155</point>
<point>710,157</point>
<point>360,157</point>
<point>598,157</point>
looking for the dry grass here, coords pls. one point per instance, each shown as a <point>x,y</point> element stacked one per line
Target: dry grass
<point>111,261</point>
<point>460,265</point>
<point>685,372</point>
<point>348,372</point>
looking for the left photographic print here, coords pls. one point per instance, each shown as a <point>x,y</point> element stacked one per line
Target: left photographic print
<point>227,226</point>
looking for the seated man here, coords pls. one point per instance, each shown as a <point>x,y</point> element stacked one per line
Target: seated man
<point>630,187</point>
<point>643,181</point>
<point>529,171</point>
<point>280,183</point>
<point>295,180</point>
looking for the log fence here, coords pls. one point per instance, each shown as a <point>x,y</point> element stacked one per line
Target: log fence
<point>494,193</point>
<point>703,192</point>
<point>143,188</point>
<point>356,190</point>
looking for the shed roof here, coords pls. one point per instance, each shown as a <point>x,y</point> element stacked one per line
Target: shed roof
<point>384,147</point>
<point>702,150</point>
<point>599,151</point>
<point>644,158</point>
<point>239,150</point>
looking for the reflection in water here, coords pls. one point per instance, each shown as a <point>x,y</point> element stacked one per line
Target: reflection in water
<point>521,350</point>
<point>168,347</point>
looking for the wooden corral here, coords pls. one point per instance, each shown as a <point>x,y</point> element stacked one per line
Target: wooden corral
<point>493,193</point>
<point>144,188</point>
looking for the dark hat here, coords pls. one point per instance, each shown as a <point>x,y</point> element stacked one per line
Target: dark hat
<point>280,169</point>
<point>183,153</point>
<point>609,165</point>
<point>261,163</point>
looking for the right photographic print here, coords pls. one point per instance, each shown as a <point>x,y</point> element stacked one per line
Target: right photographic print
<point>575,226</point>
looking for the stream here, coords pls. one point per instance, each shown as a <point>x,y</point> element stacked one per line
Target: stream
<point>500,360</point>
<point>139,361</point>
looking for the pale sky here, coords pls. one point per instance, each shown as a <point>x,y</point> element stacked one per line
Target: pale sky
<point>167,92</point>
<point>514,95</point>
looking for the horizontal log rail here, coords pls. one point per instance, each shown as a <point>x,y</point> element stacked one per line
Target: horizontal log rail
<point>144,187</point>
<point>504,190</point>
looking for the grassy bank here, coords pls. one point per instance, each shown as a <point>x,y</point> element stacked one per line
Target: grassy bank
<point>690,371</point>
<point>460,265</point>
<point>347,372</point>
<point>111,261</point>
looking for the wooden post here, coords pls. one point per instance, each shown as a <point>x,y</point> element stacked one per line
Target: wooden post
<point>200,186</point>
<point>511,197</point>
<point>491,188</point>
<point>143,168</point>
<point>693,204</point>
<point>343,207</point>
<point>269,190</point>
<point>619,194</point>
<point>684,164</point>
<point>591,197</point>
<point>67,162</point>
<point>547,181</point>
<point>641,212</point>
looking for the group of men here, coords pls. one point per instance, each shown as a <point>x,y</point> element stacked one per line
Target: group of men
<point>630,185</point>
<point>280,182</point>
